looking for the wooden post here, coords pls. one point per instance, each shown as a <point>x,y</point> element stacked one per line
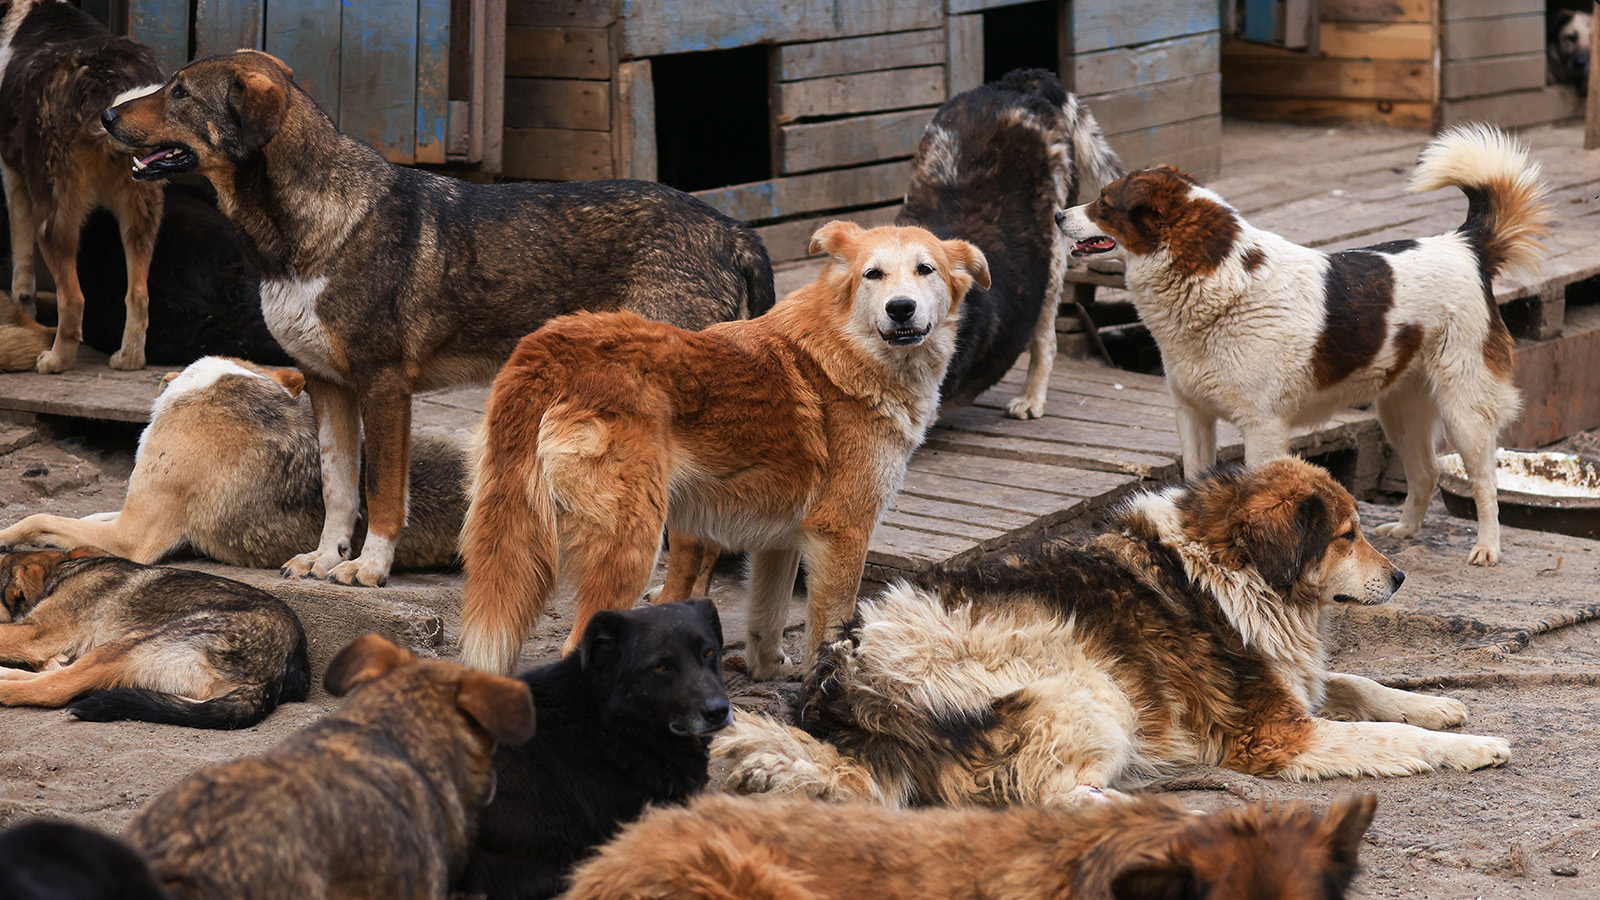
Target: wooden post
<point>1591,124</point>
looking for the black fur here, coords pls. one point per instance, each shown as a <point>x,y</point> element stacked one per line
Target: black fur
<point>616,732</point>
<point>1359,290</point>
<point>45,860</point>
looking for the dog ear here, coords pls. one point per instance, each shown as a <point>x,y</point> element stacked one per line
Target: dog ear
<point>503,706</point>
<point>86,553</point>
<point>259,102</point>
<point>27,586</point>
<point>1166,880</point>
<point>708,614</point>
<point>291,379</point>
<point>363,659</point>
<point>170,377</point>
<point>969,259</point>
<point>1280,542</point>
<point>1345,824</point>
<point>602,639</point>
<point>835,238</point>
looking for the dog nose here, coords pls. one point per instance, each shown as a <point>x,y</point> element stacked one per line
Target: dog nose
<point>1396,578</point>
<point>716,709</point>
<point>901,310</point>
<point>1061,216</point>
<point>107,117</point>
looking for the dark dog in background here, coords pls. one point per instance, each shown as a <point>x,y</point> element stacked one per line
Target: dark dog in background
<point>375,801</point>
<point>1568,45</point>
<point>1148,848</point>
<point>50,860</point>
<point>61,68</point>
<point>624,722</point>
<point>989,166</point>
<point>153,644</point>
<point>382,280</point>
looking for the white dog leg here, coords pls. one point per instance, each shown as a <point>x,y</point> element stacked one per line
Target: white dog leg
<point>1352,749</point>
<point>1408,415</point>
<point>1357,699</point>
<point>1197,436</point>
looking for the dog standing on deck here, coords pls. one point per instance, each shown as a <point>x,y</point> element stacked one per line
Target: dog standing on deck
<point>1270,335</point>
<point>58,69</point>
<point>382,280</point>
<point>786,436</point>
<point>993,167</point>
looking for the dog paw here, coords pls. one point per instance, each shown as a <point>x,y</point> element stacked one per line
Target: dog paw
<point>1484,555</point>
<point>1025,407</point>
<point>51,362</point>
<point>360,573</point>
<point>779,669</point>
<point>1471,752</point>
<point>773,773</point>
<point>1397,530</point>
<point>1434,713</point>
<point>316,564</point>
<point>128,359</point>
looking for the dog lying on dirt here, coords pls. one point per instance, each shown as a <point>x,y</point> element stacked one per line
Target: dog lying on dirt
<point>1270,335</point>
<point>50,860</point>
<point>153,644</point>
<point>785,435</point>
<point>993,167</point>
<point>1145,849</point>
<point>376,800</point>
<point>624,722</point>
<point>58,69</point>
<point>382,280</point>
<point>1189,632</point>
<point>228,466</point>
<point>22,340</point>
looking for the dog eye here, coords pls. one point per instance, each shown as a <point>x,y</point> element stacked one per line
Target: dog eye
<point>179,92</point>
<point>872,274</point>
<point>924,269</point>
<point>709,653</point>
<point>662,668</point>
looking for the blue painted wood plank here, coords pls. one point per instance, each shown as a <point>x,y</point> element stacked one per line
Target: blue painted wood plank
<point>1105,24</point>
<point>1261,19</point>
<point>222,26</point>
<point>378,75</point>
<point>433,79</point>
<point>163,26</point>
<point>305,34</point>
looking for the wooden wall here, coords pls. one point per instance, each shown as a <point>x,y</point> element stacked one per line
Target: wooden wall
<point>1492,65</point>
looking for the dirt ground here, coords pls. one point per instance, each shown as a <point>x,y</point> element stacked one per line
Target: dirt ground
<point>1520,644</point>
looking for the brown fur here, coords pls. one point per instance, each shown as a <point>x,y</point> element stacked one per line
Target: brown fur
<point>377,801</point>
<point>22,341</point>
<point>1144,849</point>
<point>786,435</point>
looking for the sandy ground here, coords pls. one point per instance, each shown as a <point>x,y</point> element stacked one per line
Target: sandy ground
<point>1519,644</point>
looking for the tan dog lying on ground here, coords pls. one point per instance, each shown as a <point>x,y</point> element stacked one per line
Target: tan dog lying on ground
<point>376,801</point>
<point>785,435</point>
<point>1144,849</point>
<point>228,466</point>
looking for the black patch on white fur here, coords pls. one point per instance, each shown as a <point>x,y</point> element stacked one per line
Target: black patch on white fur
<point>1358,292</point>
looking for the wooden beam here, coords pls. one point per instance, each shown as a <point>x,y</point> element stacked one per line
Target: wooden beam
<point>1159,104</point>
<point>1358,40</point>
<point>1312,111</point>
<point>964,54</point>
<point>1591,126</point>
<point>867,92</point>
<point>1504,36</point>
<point>850,142</point>
<point>798,194</point>
<point>1103,25</point>
<point>378,76</point>
<point>433,81</point>
<point>556,155</point>
<point>551,52</point>
<point>899,50</point>
<point>561,13</point>
<point>654,27</point>
<point>1474,77</point>
<point>1376,79</point>
<point>788,241</point>
<point>558,103</point>
<point>1452,10</point>
<point>163,26</point>
<point>1378,10</point>
<point>222,26</point>
<point>634,121</point>
<point>1120,67</point>
<point>305,34</point>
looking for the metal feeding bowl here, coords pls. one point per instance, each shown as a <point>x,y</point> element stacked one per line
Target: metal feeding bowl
<point>1557,492</point>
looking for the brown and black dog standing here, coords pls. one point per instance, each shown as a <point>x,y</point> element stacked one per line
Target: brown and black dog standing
<point>382,281</point>
<point>58,69</point>
<point>376,801</point>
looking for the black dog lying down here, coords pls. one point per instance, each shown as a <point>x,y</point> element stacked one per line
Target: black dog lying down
<point>624,722</point>
<point>51,860</point>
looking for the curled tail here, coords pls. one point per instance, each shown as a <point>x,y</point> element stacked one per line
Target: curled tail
<point>750,255</point>
<point>1506,209</point>
<point>1094,156</point>
<point>508,541</point>
<point>239,708</point>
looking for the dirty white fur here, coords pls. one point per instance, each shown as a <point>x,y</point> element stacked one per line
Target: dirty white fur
<point>290,309</point>
<point>134,93</point>
<point>15,13</point>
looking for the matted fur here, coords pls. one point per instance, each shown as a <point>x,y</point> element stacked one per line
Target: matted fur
<point>228,467</point>
<point>785,435</point>
<point>1188,633</point>
<point>1144,849</point>
<point>1272,336</point>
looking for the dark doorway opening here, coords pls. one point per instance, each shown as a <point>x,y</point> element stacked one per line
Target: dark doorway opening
<point>712,124</point>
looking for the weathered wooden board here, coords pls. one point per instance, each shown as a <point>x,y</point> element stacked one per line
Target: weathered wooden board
<point>1503,36</point>
<point>633,138</point>
<point>1557,383</point>
<point>1479,9</point>
<point>1515,109</point>
<point>562,13</point>
<point>805,193</point>
<point>221,26</point>
<point>553,52</point>
<point>1193,146</point>
<point>305,34</point>
<point>652,27</point>
<point>792,240</point>
<point>1101,26</point>
<point>433,80</point>
<point>1360,40</point>
<point>964,60</point>
<point>377,76</point>
<point>1326,76</point>
<point>1475,77</point>
<point>1148,64</point>
<point>849,142</point>
<point>558,103</point>
<point>163,26</point>
<point>1377,10</point>
<point>1159,104</point>
<point>1310,111</point>
<point>866,92</point>
<point>556,154</point>
<point>899,50</point>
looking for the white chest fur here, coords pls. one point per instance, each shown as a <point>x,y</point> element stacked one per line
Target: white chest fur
<point>290,308</point>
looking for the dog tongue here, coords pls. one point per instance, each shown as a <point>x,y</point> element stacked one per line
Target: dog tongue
<point>155,156</point>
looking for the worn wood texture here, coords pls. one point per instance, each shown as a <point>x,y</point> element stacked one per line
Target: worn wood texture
<point>558,103</point>
<point>1329,77</point>
<point>433,80</point>
<point>1515,109</point>
<point>1121,67</point>
<point>791,240</point>
<point>964,53</point>
<point>653,27</point>
<point>556,154</point>
<point>1474,77</point>
<point>1309,111</point>
<point>554,52</point>
<point>849,142</point>
<point>866,92</point>
<point>377,76</point>
<point>804,193</point>
<point>1360,40</point>
<point>486,43</point>
<point>1557,382</point>
<point>1102,26</point>
<point>1591,130</point>
<point>1377,10</point>
<point>1160,104</point>
<point>1478,9</point>
<point>305,34</point>
<point>1502,36</point>
<point>222,26</point>
<point>561,13</point>
<point>899,50</point>
<point>163,26</point>
<point>633,138</point>
<point>1192,146</point>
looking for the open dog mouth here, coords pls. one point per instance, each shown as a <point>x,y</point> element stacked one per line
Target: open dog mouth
<point>905,337</point>
<point>1091,246</point>
<point>163,162</point>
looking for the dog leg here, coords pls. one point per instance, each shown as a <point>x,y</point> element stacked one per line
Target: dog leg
<point>1197,436</point>
<point>1041,352</point>
<point>689,564</point>
<point>59,243</point>
<point>132,534</point>
<point>1408,415</point>
<point>772,574</point>
<point>101,668</point>
<point>339,439</point>
<point>1475,442</point>
<point>386,421</point>
<point>138,213</point>
<point>1353,749</point>
<point>19,206</point>
<point>27,644</point>
<point>833,576</point>
<point>1358,699</point>
<point>773,758</point>
<point>1265,442</point>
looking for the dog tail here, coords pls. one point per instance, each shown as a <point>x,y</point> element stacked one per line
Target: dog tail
<point>1506,208</point>
<point>750,255</point>
<point>1094,156</point>
<point>239,708</point>
<point>508,541</point>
